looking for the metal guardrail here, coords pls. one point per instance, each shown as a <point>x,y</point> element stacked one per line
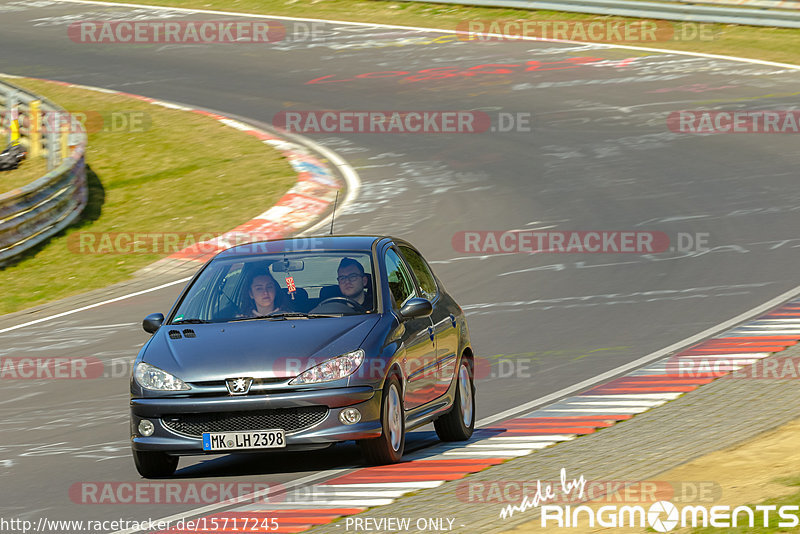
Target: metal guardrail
<point>44,207</point>
<point>650,10</point>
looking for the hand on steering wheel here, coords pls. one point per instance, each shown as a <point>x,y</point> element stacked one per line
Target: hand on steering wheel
<point>344,300</point>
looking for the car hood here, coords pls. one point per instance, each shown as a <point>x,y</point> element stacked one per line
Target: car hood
<point>258,348</point>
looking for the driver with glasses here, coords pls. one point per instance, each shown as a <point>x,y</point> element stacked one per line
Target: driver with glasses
<point>353,283</point>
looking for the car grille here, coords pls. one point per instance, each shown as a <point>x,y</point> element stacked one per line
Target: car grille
<point>289,419</point>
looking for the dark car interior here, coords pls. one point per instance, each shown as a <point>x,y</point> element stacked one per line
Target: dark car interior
<point>236,302</point>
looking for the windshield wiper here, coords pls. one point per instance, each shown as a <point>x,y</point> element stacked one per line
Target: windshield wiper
<point>190,321</point>
<point>303,315</point>
<point>283,316</point>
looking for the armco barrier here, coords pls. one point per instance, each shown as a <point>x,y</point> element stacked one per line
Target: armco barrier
<point>34,212</point>
<point>651,10</point>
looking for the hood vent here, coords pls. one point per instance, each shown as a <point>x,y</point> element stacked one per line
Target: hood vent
<point>189,333</point>
<point>174,334</point>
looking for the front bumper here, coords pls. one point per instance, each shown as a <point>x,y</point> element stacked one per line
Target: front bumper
<point>329,430</point>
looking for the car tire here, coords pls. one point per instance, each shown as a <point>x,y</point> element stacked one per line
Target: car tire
<point>459,422</point>
<point>153,464</point>
<point>388,448</point>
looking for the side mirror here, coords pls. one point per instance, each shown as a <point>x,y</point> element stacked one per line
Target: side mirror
<point>153,322</point>
<point>416,307</point>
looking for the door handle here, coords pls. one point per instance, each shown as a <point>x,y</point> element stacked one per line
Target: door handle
<point>453,320</point>
<point>430,332</point>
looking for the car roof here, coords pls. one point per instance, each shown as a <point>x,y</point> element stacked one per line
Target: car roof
<point>300,244</point>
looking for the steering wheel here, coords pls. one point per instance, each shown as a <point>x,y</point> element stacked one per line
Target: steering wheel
<point>343,300</point>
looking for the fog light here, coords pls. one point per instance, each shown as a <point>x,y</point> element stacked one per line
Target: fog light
<point>350,416</point>
<point>146,428</point>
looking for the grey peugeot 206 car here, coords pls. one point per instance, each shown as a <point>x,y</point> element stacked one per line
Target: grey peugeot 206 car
<point>298,344</point>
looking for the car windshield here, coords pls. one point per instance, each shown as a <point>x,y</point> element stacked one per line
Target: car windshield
<point>281,286</point>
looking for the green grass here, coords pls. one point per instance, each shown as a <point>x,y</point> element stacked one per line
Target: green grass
<point>774,519</point>
<point>28,171</point>
<point>181,172</point>
<point>772,44</point>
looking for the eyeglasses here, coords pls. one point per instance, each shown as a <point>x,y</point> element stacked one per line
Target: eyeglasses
<point>350,277</point>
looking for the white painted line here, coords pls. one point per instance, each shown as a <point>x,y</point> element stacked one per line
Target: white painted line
<point>268,507</point>
<point>739,355</point>
<point>340,502</point>
<point>349,174</point>
<point>588,411</point>
<point>95,305</point>
<point>667,396</point>
<point>490,454</point>
<point>410,485</point>
<point>767,327</point>
<point>618,403</point>
<point>511,445</point>
<point>676,367</point>
<point>170,105</point>
<point>778,321</point>
<point>94,326</point>
<point>543,437</point>
<point>639,362</point>
<point>713,367</point>
<point>323,495</point>
<point>745,333</point>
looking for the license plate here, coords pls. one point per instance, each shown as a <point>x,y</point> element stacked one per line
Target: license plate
<point>253,439</point>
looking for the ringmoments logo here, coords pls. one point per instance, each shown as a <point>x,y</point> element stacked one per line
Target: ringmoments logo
<point>661,516</point>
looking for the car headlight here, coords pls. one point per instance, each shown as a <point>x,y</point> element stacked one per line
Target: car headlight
<point>333,369</point>
<point>150,377</point>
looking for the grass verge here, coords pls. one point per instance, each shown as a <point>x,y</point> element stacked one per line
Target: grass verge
<point>760,471</point>
<point>28,171</point>
<point>164,171</point>
<point>772,44</point>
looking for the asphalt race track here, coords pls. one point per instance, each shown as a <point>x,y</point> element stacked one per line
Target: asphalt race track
<point>599,156</point>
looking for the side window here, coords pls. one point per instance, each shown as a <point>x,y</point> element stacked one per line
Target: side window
<point>400,284</point>
<point>421,271</point>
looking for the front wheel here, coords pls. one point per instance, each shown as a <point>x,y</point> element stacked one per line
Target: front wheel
<point>388,448</point>
<point>151,464</point>
<point>459,422</point>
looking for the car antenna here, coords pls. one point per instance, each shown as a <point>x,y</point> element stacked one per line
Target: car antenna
<point>333,215</point>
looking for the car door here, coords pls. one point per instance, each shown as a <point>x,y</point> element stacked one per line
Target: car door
<point>417,336</point>
<point>444,322</point>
